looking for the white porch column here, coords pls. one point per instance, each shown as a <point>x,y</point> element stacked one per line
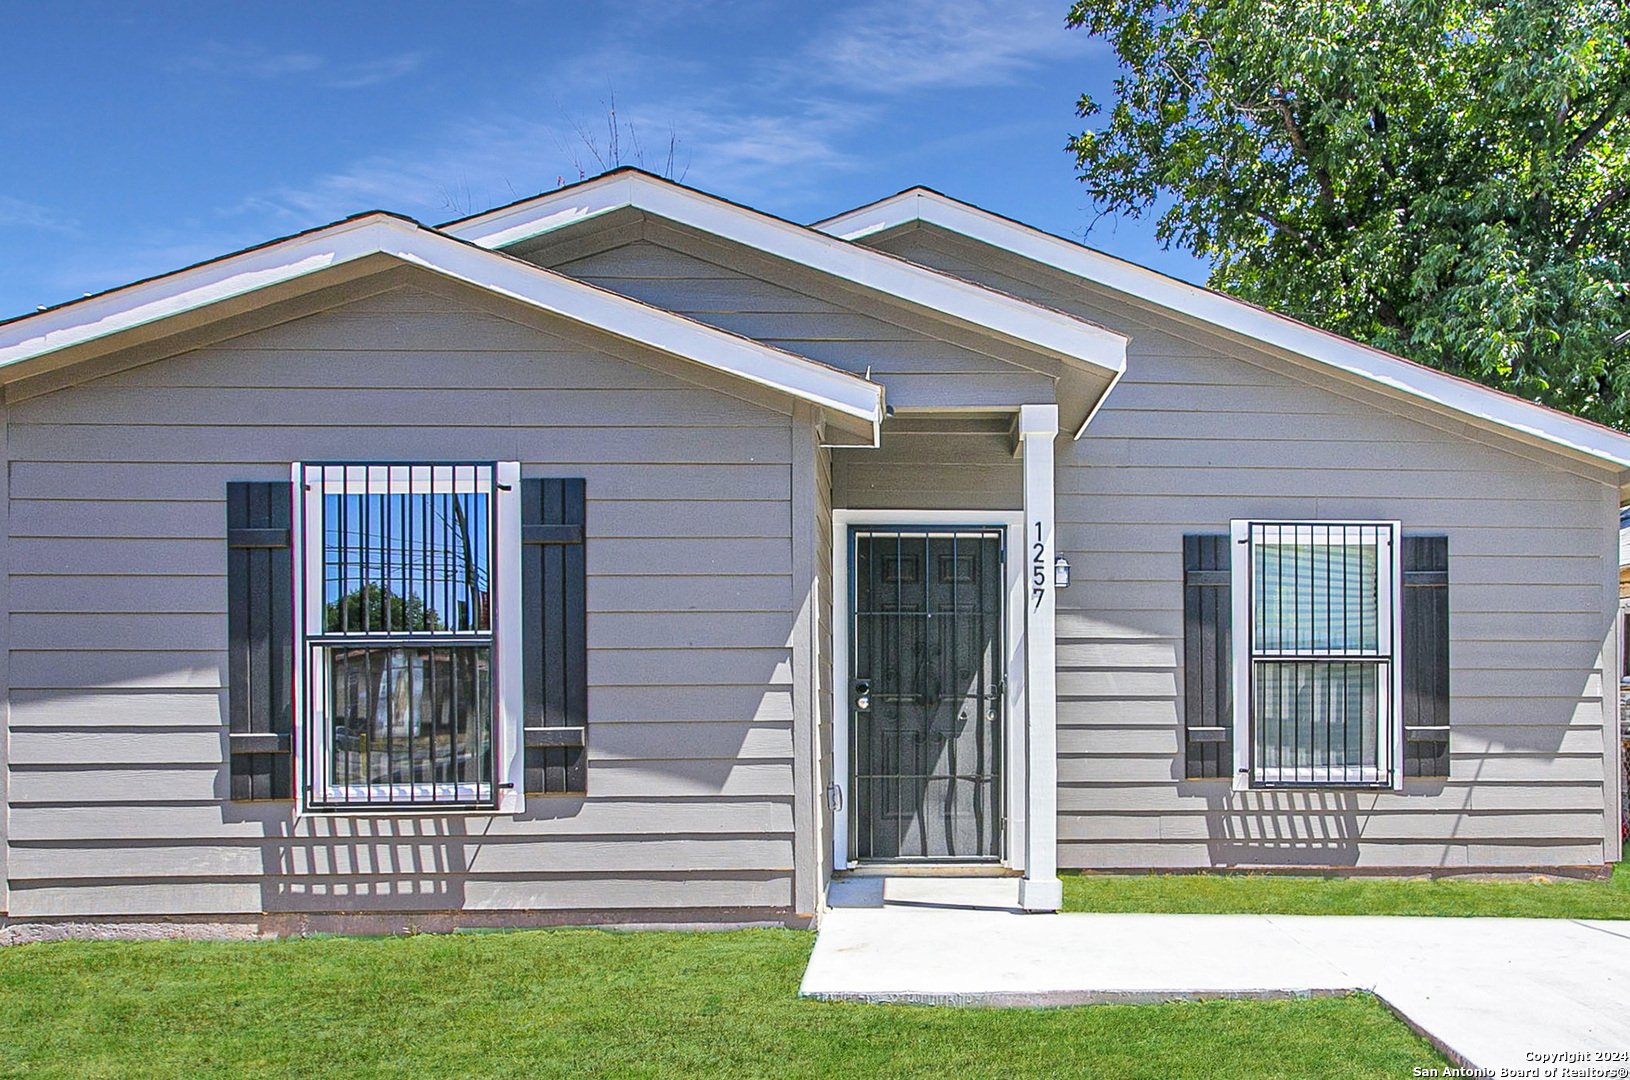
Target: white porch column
<point>1040,890</point>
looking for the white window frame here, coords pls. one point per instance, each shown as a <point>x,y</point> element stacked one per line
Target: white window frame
<point>1390,735</point>
<point>505,594</point>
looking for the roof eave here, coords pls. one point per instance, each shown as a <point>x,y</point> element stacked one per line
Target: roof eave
<point>1054,333</point>
<point>1433,388</point>
<point>848,400</point>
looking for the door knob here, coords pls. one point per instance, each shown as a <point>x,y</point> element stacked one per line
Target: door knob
<point>863,702</point>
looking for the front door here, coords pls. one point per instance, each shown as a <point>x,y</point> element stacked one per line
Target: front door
<point>926,684</point>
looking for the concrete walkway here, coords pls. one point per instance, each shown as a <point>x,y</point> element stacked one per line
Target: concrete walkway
<point>1488,992</point>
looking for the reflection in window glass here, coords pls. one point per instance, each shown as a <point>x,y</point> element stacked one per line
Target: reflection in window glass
<point>410,724</point>
<point>405,563</point>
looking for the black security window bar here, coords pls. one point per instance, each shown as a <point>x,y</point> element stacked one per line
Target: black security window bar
<point>1321,603</point>
<point>401,649</point>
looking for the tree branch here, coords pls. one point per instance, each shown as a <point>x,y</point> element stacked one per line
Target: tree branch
<point>1281,225</point>
<point>1603,205</point>
<point>1327,190</point>
<point>1291,127</point>
<point>1594,128</point>
<point>1379,125</point>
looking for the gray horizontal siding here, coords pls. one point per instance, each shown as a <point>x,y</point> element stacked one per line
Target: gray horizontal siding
<point>1337,850</point>
<point>323,857</point>
<point>1203,429</point>
<point>920,470</point>
<point>187,782</point>
<point>166,444</point>
<point>148,744</point>
<point>183,482</point>
<point>916,369</point>
<point>596,817</point>
<point>118,738</point>
<point>423,891</point>
<point>119,409</point>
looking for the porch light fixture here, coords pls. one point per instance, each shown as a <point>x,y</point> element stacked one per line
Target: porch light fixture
<point>1061,573</point>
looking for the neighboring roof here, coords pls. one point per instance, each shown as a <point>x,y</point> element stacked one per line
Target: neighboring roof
<point>1055,333</point>
<point>1427,385</point>
<point>848,399</point>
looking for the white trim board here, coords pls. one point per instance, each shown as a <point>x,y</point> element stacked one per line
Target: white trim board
<point>1054,333</point>
<point>847,399</point>
<point>1037,433</point>
<point>1435,388</point>
<point>1013,703</point>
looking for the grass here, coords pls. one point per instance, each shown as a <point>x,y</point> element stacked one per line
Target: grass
<point>583,1003</point>
<point>1271,894</point>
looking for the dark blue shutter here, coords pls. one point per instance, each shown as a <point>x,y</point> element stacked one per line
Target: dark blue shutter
<point>260,640</point>
<point>554,600</point>
<point>1424,655</point>
<point>1208,663</point>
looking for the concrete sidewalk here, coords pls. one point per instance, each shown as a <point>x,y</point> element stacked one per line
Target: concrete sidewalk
<point>1489,992</point>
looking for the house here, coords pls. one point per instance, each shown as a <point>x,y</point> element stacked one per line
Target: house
<point>625,554</point>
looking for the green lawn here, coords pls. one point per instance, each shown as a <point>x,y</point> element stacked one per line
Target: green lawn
<point>583,1003</point>
<point>1271,894</point>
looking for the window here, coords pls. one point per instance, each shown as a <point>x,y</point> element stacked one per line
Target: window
<point>1314,627</point>
<point>1624,643</point>
<point>408,671</point>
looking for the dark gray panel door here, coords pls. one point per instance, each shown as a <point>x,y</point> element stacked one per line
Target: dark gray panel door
<point>926,693</point>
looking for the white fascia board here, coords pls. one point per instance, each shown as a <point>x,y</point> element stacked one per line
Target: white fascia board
<point>158,298</point>
<point>509,225</point>
<point>1407,377</point>
<point>836,391</point>
<point>1054,332</point>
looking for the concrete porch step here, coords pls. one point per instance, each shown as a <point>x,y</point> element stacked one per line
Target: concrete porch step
<point>983,893</point>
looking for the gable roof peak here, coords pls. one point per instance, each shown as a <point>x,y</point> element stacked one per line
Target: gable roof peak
<point>1395,375</point>
<point>96,325</point>
<point>1096,354</point>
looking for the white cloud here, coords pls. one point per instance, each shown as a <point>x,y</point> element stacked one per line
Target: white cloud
<point>761,155</point>
<point>350,77</point>
<point>754,157</point>
<point>773,136</point>
<point>258,63</point>
<point>17,213</point>
<point>891,46</point>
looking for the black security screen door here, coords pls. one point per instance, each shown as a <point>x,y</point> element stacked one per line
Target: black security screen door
<point>926,693</point>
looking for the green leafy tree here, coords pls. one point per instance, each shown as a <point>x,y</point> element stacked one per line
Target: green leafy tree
<point>1447,179</point>
<point>375,609</point>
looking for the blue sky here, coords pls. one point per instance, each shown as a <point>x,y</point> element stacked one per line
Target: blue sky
<point>142,137</point>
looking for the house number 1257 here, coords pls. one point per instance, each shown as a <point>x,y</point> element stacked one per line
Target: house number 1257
<point>1038,567</point>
